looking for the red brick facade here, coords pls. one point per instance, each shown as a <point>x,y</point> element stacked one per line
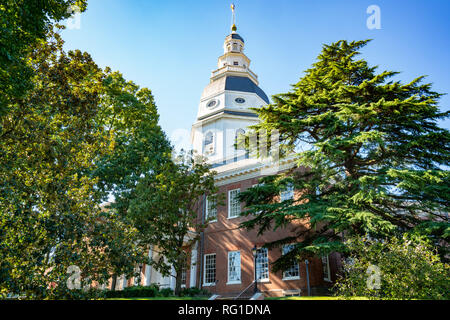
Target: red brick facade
<point>224,235</point>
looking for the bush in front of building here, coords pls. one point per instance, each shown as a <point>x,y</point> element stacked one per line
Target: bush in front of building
<point>135,292</point>
<point>153,291</point>
<point>398,268</point>
<point>166,292</point>
<point>193,292</point>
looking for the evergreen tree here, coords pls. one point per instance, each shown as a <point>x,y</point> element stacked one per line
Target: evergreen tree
<point>370,157</point>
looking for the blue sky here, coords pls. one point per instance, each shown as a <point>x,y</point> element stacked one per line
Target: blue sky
<point>172,46</point>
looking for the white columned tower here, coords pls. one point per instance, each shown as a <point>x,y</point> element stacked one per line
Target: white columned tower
<point>224,110</point>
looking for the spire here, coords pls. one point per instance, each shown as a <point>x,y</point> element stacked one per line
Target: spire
<point>233,17</point>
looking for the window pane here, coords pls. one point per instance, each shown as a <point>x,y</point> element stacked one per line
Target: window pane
<point>262,264</point>
<point>287,194</point>
<point>210,268</point>
<point>234,209</point>
<point>293,271</point>
<point>211,209</point>
<point>326,268</point>
<point>234,266</point>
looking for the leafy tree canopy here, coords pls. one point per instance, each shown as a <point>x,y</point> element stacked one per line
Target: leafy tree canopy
<point>22,24</point>
<point>58,146</point>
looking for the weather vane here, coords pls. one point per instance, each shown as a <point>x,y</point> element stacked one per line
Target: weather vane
<point>233,19</point>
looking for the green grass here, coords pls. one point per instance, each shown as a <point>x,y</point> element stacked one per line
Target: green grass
<point>163,298</point>
<point>315,298</point>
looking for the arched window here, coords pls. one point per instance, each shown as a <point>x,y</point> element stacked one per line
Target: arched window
<point>240,144</point>
<point>208,143</point>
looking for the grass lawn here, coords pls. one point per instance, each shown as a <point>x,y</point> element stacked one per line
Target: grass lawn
<point>163,298</point>
<point>315,298</point>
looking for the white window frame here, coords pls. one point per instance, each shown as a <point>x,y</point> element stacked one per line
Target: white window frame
<point>238,266</point>
<point>296,262</point>
<point>229,204</point>
<point>287,194</point>
<point>268,269</point>
<point>327,276</point>
<point>206,284</point>
<point>208,212</point>
<point>184,276</point>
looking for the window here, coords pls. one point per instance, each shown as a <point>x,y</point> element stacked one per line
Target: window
<point>234,206</point>
<point>288,193</point>
<point>183,273</point>
<point>211,209</point>
<point>211,103</point>
<point>262,264</point>
<point>326,268</point>
<point>235,63</point>
<point>208,143</point>
<point>239,100</point>
<point>293,272</point>
<point>234,267</point>
<point>210,269</point>
<point>240,139</point>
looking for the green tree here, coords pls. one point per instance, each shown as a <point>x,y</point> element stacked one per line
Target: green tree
<point>393,269</point>
<point>23,23</point>
<point>48,205</point>
<point>165,210</point>
<point>130,116</point>
<point>58,147</point>
<point>369,156</point>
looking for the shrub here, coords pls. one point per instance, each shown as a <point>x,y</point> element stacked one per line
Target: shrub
<point>134,292</point>
<point>406,270</point>
<point>192,292</point>
<point>166,292</point>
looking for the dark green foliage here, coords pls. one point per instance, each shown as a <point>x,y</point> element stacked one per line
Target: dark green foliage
<point>135,292</point>
<point>166,292</point>
<point>23,23</point>
<point>370,156</point>
<point>53,144</point>
<point>407,269</point>
<point>193,292</point>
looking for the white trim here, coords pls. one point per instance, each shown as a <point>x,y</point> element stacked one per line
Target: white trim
<point>264,280</point>
<point>291,278</point>
<point>233,282</point>
<point>209,284</point>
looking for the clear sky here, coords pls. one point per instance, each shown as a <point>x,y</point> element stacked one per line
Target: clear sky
<point>172,46</point>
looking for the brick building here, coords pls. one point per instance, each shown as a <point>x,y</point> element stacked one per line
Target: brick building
<point>222,261</point>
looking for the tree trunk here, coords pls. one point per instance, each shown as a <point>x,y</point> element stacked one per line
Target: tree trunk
<point>178,283</point>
